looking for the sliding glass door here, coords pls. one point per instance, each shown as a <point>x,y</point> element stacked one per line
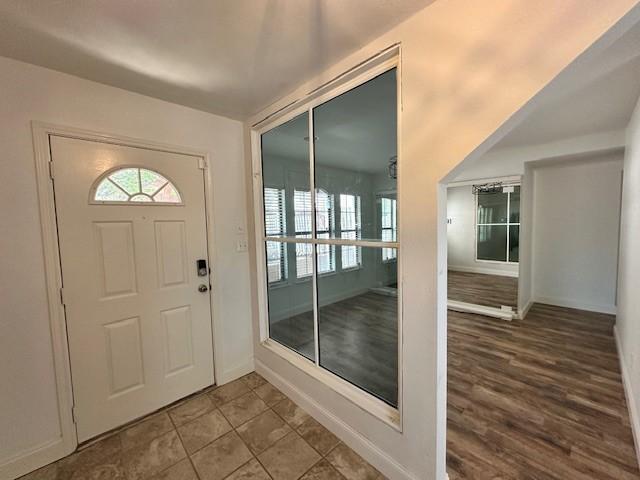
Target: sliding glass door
<point>331,235</point>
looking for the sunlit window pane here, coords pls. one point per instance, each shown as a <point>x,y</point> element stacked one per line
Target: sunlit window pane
<point>136,185</point>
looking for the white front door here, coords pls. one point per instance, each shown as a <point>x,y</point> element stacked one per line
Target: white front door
<point>132,228</point>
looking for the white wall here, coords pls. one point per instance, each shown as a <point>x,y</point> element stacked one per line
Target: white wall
<point>461,237</point>
<point>502,162</point>
<point>525,274</point>
<point>457,57</point>
<point>575,232</point>
<point>628,319</point>
<point>28,404</point>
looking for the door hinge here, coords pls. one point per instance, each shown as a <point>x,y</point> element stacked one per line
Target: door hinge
<point>62,296</point>
<point>202,163</point>
<point>74,415</point>
<point>51,170</point>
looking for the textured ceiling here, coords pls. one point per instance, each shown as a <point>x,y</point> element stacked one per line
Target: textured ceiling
<point>230,57</point>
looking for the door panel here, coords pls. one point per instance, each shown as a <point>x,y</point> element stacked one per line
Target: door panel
<point>171,249</point>
<point>116,258</point>
<point>178,339</point>
<point>139,330</point>
<point>124,355</point>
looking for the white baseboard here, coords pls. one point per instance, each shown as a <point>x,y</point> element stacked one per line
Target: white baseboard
<point>33,459</point>
<point>363,446</point>
<point>628,391</point>
<point>523,313</point>
<point>578,304</point>
<point>236,372</point>
<point>480,310</point>
<point>483,270</point>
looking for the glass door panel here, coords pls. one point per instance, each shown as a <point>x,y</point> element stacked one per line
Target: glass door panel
<point>358,324</point>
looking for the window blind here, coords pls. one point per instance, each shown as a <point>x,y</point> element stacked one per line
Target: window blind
<point>351,229</point>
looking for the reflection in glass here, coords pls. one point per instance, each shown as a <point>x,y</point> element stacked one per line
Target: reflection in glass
<point>285,172</point>
<point>514,206</point>
<point>355,142</point>
<point>290,305</point>
<point>389,225</point>
<point>358,325</point>
<point>492,242</point>
<point>276,262</point>
<point>514,243</point>
<point>350,228</point>
<point>492,208</point>
<point>354,177</point>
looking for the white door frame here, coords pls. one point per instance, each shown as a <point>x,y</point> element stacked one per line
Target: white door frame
<point>68,441</point>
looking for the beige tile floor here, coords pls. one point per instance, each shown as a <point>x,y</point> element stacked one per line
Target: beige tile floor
<point>246,429</point>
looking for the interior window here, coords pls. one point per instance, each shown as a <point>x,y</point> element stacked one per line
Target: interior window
<point>135,185</point>
<point>340,235</point>
<point>498,224</point>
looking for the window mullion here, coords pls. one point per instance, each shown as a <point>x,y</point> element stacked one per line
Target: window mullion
<point>314,274</point>
<point>508,226</point>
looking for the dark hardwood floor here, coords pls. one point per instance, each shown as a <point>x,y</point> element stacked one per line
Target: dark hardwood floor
<point>539,398</point>
<point>481,289</point>
<point>358,341</point>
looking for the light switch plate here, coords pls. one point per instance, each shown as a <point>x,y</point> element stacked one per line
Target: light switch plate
<point>242,245</point>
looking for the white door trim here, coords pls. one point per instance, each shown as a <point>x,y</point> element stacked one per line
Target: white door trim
<point>56,448</point>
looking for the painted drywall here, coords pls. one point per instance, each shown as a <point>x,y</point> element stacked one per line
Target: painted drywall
<point>461,237</point>
<point>28,401</point>
<point>575,232</point>
<point>525,277</point>
<point>502,162</point>
<point>457,57</point>
<point>628,318</point>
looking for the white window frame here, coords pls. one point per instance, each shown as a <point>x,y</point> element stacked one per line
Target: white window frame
<point>389,254</point>
<point>357,230</point>
<point>303,234</point>
<point>508,224</point>
<point>359,75</point>
<point>329,233</point>
<point>284,274</point>
<point>306,234</point>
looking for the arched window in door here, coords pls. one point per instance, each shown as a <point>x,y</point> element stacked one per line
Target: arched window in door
<point>134,185</point>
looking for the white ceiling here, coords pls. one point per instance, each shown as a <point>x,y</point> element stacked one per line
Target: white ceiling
<point>594,96</point>
<point>229,57</point>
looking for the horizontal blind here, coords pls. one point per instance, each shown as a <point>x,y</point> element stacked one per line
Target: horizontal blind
<point>274,211</point>
<point>350,229</point>
<point>325,225</point>
<point>275,225</point>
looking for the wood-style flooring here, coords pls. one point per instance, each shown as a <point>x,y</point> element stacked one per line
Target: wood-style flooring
<point>481,289</point>
<point>358,341</point>
<point>539,398</point>
<point>533,399</point>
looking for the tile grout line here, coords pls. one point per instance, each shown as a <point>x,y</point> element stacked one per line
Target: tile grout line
<point>235,429</point>
<point>184,447</point>
<point>207,392</point>
<point>293,430</point>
